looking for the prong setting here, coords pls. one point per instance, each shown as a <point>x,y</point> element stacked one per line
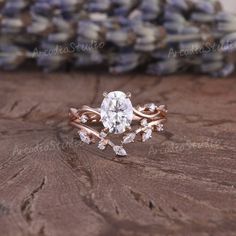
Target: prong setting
<point>128,95</point>
<point>105,94</point>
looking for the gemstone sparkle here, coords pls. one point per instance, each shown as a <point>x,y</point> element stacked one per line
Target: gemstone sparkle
<point>129,138</point>
<point>147,134</point>
<point>116,112</point>
<point>84,137</point>
<point>119,151</point>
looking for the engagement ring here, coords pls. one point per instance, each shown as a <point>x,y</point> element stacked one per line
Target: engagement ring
<point>119,117</point>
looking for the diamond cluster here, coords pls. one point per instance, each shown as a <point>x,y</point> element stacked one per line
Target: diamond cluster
<point>116,115</point>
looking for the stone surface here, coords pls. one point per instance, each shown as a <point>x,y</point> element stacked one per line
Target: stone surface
<point>116,112</point>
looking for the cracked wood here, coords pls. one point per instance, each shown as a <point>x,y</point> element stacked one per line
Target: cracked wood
<point>182,182</point>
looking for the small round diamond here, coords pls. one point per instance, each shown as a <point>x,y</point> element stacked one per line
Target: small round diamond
<point>116,112</point>
<point>83,118</point>
<point>151,106</point>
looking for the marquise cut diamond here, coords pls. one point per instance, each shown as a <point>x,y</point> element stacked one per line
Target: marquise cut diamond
<point>129,138</point>
<point>102,145</point>
<point>147,134</point>
<point>84,137</point>
<point>119,151</point>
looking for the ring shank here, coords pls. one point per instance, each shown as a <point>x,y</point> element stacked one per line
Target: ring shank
<point>139,113</point>
<point>147,120</point>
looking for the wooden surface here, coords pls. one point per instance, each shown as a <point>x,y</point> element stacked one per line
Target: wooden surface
<point>182,182</point>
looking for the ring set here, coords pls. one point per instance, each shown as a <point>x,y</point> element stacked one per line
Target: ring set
<point>117,116</point>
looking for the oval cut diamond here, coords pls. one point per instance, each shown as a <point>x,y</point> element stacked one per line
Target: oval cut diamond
<point>116,112</point>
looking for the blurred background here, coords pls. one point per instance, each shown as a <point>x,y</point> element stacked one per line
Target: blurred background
<point>154,36</point>
<point>229,5</point>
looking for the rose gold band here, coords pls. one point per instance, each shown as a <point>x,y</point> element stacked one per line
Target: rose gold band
<point>139,113</point>
<point>148,121</point>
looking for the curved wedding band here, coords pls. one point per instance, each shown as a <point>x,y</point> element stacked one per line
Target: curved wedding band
<point>118,116</point>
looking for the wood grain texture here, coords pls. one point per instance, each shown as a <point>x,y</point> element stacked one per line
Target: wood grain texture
<point>182,182</point>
